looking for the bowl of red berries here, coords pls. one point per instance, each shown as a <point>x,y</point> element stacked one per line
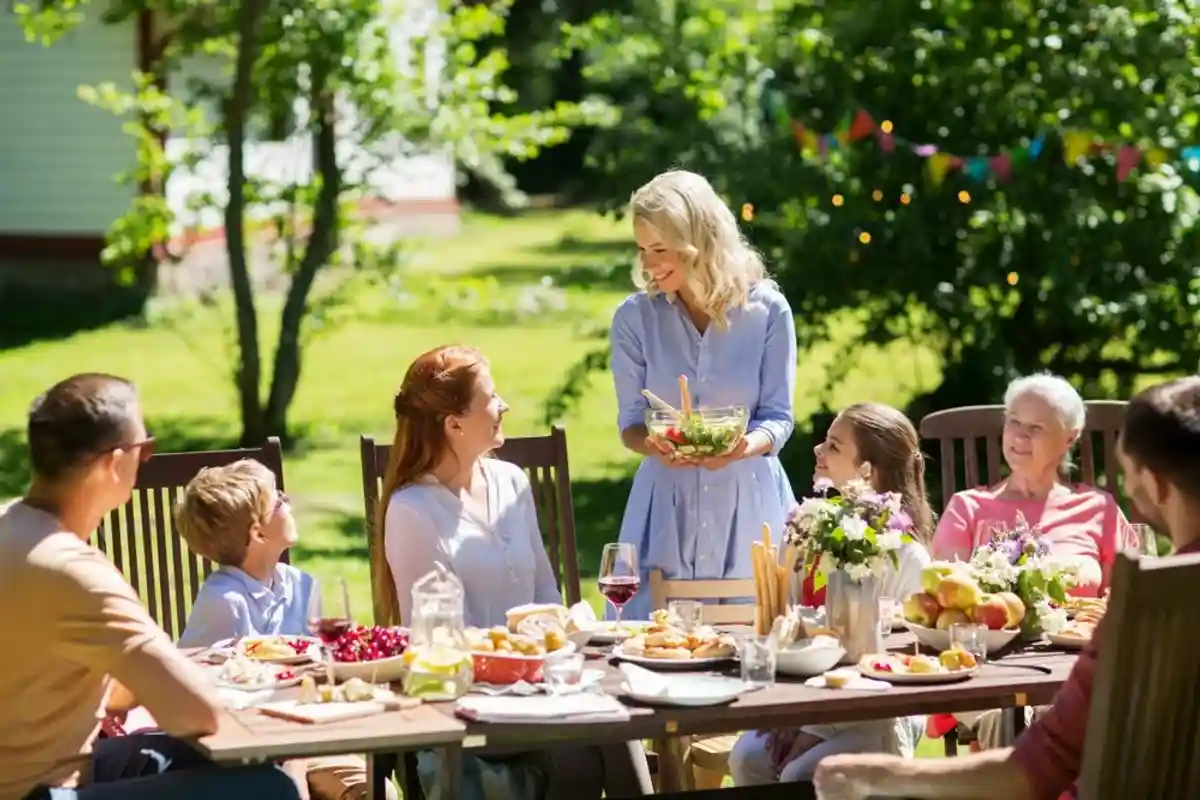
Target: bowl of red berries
<point>371,653</point>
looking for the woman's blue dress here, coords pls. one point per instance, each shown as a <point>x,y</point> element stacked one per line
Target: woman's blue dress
<point>693,523</point>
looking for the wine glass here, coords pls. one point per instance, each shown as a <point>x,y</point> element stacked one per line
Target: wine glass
<point>326,623</point>
<point>619,579</point>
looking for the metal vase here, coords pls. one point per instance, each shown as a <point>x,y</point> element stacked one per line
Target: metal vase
<point>852,612</point>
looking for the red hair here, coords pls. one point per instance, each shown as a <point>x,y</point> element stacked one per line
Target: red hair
<point>439,384</point>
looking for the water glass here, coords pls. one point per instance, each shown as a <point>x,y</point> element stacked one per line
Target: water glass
<point>563,674</point>
<point>970,637</point>
<point>889,610</point>
<point>686,613</point>
<point>758,662</point>
<point>1144,539</point>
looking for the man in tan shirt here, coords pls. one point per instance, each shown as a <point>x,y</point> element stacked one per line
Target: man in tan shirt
<point>78,635</point>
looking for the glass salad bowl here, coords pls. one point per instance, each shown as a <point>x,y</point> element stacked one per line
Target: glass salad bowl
<point>704,432</point>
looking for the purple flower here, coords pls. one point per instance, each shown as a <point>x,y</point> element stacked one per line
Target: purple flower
<point>822,485</point>
<point>900,521</point>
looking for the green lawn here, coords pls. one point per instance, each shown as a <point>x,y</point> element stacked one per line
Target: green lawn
<point>485,287</point>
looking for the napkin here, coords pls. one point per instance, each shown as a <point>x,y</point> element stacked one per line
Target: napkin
<point>588,680</point>
<point>585,707</point>
<point>858,683</point>
<point>644,682</point>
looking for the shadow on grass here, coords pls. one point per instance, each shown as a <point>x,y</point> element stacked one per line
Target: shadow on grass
<point>614,275</point>
<point>575,246</point>
<point>30,315</point>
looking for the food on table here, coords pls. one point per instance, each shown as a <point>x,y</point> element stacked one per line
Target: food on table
<point>838,678</point>
<point>247,673</point>
<point>369,643</point>
<point>951,596</point>
<point>438,672</point>
<point>1086,609</point>
<point>354,690</point>
<point>949,661</point>
<point>1083,631</point>
<point>503,641</point>
<point>667,642</point>
<point>772,581</point>
<point>273,648</point>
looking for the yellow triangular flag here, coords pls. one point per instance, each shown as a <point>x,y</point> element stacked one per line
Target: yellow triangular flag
<point>1075,145</point>
<point>810,141</point>
<point>1156,157</point>
<point>938,164</point>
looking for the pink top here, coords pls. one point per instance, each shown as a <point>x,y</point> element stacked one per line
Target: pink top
<point>1086,524</point>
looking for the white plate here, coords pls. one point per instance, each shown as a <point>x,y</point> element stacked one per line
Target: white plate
<point>606,634</point>
<point>940,640</point>
<point>270,687</point>
<point>670,663</point>
<point>918,677</point>
<point>311,654</point>
<point>691,691</point>
<point>1069,642</point>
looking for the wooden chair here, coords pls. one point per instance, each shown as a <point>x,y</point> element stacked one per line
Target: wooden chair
<point>141,539</point>
<point>1144,725</point>
<point>701,762</point>
<point>544,459</point>
<point>962,428</point>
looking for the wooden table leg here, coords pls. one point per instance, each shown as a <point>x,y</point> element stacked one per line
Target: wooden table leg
<point>451,771</point>
<point>1018,720</point>
<point>380,768</point>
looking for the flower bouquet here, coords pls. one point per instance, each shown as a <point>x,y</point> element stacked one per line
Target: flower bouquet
<point>1018,561</point>
<point>850,539</point>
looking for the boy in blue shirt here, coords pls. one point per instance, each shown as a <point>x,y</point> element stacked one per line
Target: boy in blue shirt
<point>235,516</point>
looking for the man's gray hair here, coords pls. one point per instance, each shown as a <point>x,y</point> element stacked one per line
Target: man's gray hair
<point>1059,393</point>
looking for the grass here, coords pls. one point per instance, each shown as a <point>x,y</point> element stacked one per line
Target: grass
<point>484,287</point>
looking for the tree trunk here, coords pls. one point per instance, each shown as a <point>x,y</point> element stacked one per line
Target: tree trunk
<point>322,243</point>
<point>237,109</point>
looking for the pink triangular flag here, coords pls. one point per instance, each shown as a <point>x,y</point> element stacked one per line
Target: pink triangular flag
<point>1002,166</point>
<point>1128,157</point>
<point>886,141</point>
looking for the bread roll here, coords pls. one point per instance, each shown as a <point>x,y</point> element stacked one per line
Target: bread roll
<point>669,653</point>
<point>552,611</point>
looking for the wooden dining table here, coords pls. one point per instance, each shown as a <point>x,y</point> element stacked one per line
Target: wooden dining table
<point>1021,677</point>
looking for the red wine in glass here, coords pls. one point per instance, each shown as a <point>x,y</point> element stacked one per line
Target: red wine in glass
<point>329,629</point>
<point>619,589</point>
<point>619,578</point>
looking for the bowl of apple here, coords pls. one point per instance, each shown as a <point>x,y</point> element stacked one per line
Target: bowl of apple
<point>951,596</point>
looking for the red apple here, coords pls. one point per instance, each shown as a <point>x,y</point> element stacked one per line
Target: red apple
<point>951,616</point>
<point>922,609</point>
<point>992,612</point>
<point>1016,609</point>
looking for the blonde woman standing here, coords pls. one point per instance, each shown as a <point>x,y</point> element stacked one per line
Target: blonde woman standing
<point>706,310</point>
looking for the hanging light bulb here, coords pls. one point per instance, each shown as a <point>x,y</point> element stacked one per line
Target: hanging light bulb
<point>747,212</point>
<point>886,126</point>
<point>1012,279</point>
<point>838,200</point>
<point>964,196</point>
<point>877,195</point>
<point>864,237</point>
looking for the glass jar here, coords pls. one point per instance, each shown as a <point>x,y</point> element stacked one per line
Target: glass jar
<point>440,667</point>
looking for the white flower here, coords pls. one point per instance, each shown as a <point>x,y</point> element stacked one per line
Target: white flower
<point>858,572</point>
<point>888,540</point>
<point>879,566</point>
<point>854,528</point>
<point>894,503</point>
<point>814,508</point>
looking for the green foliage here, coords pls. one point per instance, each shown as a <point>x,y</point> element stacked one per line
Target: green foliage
<point>1107,282</point>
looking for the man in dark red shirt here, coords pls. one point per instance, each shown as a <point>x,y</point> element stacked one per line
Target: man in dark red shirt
<point>1160,456</point>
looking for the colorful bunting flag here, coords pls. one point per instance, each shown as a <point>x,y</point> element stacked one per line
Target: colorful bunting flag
<point>1076,145</point>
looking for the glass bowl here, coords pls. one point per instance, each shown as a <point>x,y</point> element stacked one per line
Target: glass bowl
<point>707,432</point>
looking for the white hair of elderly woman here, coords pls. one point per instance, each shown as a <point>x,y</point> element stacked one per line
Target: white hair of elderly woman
<point>1062,397</point>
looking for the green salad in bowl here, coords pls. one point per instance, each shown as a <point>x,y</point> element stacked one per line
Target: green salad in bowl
<point>703,432</point>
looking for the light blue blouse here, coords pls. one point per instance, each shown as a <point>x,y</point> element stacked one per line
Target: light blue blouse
<point>232,603</point>
<point>693,523</point>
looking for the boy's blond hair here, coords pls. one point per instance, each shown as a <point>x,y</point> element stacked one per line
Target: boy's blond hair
<point>218,507</point>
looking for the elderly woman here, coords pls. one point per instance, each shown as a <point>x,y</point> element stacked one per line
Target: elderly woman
<point>1043,418</point>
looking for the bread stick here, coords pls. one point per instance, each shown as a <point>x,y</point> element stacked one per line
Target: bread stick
<point>759,599</point>
<point>685,397</point>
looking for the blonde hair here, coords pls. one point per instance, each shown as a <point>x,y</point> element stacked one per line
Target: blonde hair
<point>721,265</point>
<point>218,507</point>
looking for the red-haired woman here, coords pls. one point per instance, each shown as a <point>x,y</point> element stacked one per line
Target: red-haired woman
<point>446,503</point>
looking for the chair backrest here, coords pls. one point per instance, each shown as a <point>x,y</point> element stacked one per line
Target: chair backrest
<point>963,427</point>
<point>544,459</point>
<point>663,591</point>
<point>141,539</point>
<point>1144,725</point>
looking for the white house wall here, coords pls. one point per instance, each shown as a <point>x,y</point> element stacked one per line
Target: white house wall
<point>59,155</point>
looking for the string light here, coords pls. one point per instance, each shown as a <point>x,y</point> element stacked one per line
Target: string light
<point>838,200</point>
<point>877,195</point>
<point>1012,279</point>
<point>864,237</point>
<point>905,199</point>
<point>964,196</point>
<point>886,126</point>
<point>747,212</point>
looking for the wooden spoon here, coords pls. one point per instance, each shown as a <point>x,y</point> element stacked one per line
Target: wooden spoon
<point>659,404</point>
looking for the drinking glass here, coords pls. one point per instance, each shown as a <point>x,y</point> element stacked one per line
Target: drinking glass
<point>686,613</point>
<point>758,662</point>
<point>619,580</point>
<point>563,674</point>
<point>889,609</point>
<point>970,637</point>
<point>329,618</point>
<point>1144,539</point>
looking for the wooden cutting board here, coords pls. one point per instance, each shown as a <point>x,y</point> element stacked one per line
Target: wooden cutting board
<point>317,713</point>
